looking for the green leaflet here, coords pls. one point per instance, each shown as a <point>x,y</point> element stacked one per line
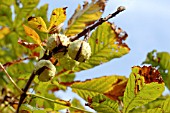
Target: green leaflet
<point>106,85</point>
<point>102,104</point>
<point>76,103</point>
<point>161,61</point>
<point>25,11</point>
<point>105,45</point>
<point>5,14</point>
<point>164,108</point>
<point>155,110</point>
<point>84,17</point>
<point>165,105</point>
<point>144,85</point>
<point>26,108</point>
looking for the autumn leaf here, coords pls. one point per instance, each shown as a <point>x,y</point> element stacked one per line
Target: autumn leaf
<point>30,32</point>
<point>85,16</point>
<point>4,31</point>
<point>160,60</point>
<point>30,46</point>
<point>37,23</point>
<point>144,85</point>
<point>110,86</point>
<point>58,16</point>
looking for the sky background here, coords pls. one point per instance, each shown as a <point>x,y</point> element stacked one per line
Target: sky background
<point>147,23</point>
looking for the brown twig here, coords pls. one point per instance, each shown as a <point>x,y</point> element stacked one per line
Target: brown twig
<point>48,56</point>
<point>99,22</point>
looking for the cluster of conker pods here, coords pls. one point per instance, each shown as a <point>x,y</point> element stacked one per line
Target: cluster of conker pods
<point>76,52</point>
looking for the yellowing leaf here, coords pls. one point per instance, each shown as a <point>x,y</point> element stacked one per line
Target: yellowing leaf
<point>58,16</point>
<point>106,43</point>
<point>144,85</point>
<point>4,31</point>
<point>103,85</point>
<point>30,32</point>
<point>37,23</point>
<point>84,17</point>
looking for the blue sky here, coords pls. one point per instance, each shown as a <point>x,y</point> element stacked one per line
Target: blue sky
<point>147,23</point>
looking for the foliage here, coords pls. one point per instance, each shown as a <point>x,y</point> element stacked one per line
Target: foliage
<point>23,39</point>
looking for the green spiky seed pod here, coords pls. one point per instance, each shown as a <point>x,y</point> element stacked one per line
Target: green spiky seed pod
<point>79,50</point>
<point>67,62</point>
<point>45,70</point>
<point>56,40</point>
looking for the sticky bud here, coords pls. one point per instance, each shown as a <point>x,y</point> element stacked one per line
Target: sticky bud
<point>45,70</point>
<point>79,50</point>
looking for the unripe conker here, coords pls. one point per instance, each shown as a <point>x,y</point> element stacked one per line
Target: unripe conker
<point>45,70</point>
<point>56,40</point>
<point>79,50</point>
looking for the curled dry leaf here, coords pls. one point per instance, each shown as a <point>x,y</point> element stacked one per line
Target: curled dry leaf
<point>30,46</point>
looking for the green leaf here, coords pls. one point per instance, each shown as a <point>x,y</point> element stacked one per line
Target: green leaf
<point>76,103</point>
<point>160,60</point>
<point>111,86</point>
<point>23,12</point>
<point>84,17</point>
<point>102,104</point>
<point>105,45</point>
<point>165,105</point>
<point>144,85</point>
<point>26,108</point>
<point>5,14</point>
<point>155,110</point>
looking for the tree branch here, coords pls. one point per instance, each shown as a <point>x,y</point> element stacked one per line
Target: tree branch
<point>99,22</point>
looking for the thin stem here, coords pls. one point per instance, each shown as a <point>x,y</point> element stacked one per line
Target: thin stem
<point>99,22</point>
<point>68,104</point>
<point>9,77</point>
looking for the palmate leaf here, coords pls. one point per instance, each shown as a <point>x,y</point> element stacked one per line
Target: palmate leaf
<point>84,17</point>
<point>106,44</point>
<point>144,85</point>
<point>160,60</point>
<point>110,86</point>
<point>102,104</point>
